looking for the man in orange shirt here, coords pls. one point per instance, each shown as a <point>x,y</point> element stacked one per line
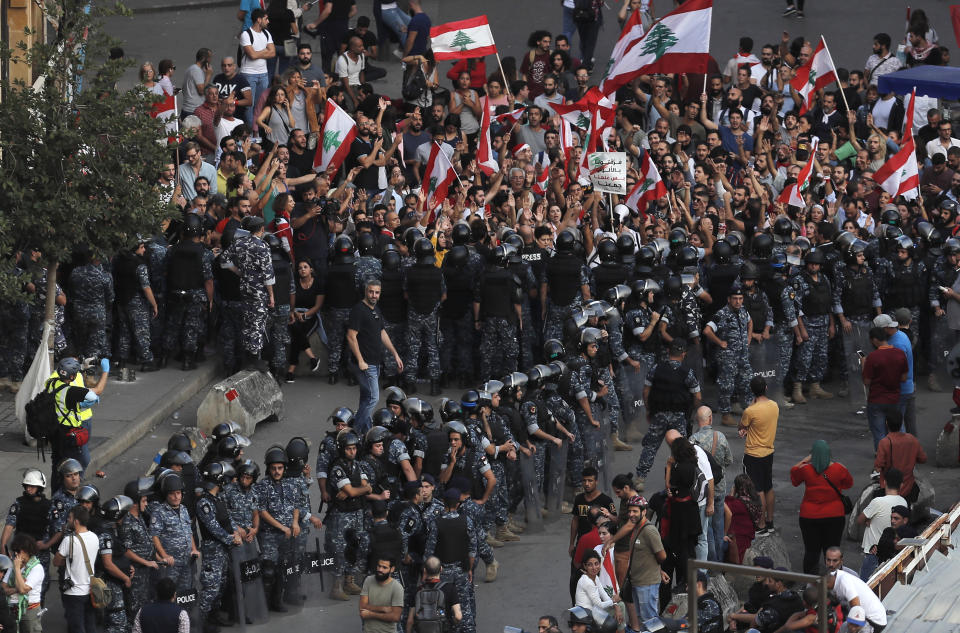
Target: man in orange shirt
<point>758,426</point>
<point>901,451</point>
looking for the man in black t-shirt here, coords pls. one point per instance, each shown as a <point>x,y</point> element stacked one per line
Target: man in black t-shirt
<point>366,153</point>
<point>367,338</point>
<point>231,83</point>
<point>587,506</point>
<point>451,601</point>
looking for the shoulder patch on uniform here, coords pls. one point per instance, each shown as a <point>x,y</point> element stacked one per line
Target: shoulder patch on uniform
<point>793,295</point>
<point>206,508</point>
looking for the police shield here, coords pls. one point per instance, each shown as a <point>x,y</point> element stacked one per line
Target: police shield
<point>531,492</point>
<point>764,361</point>
<point>236,589</point>
<point>249,571</point>
<point>556,474</point>
<point>632,402</point>
<point>315,563</point>
<point>291,558</point>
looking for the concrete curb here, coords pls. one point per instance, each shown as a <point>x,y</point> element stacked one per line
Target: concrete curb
<point>185,6</point>
<point>169,402</point>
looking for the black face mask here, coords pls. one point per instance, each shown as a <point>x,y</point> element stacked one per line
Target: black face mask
<point>381,577</point>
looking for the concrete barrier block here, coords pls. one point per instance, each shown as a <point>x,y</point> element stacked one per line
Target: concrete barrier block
<point>948,444</point>
<point>722,591</point>
<point>770,545</point>
<point>246,397</point>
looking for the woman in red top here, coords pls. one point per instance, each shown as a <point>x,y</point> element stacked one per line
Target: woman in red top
<point>821,510</point>
<point>743,515</point>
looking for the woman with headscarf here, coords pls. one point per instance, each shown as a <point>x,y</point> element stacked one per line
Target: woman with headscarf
<point>821,510</point>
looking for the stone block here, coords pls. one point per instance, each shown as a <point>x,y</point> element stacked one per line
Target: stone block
<point>246,397</point>
<point>770,545</point>
<point>721,589</point>
<point>948,444</point>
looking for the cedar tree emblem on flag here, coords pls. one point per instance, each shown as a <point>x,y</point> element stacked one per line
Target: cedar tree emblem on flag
<point>331,139</point>
<point>462,40</point>
<point>658,41</point>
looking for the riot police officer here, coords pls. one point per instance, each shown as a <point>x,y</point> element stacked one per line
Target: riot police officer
<point>855,302</point>
<point>729,330</point>
<point>140,550</point>
<point>906,283</point>
<point>448,538</point>
<point>170,527</point>
<point>456,317</point>
<point>189,285</point>
<point>341,418</point>
<point>393,307</point>
<point>278,315</point>
<point>112,563</point>
<point>217,534</point>
<point>347,486</point>
<point>279,502</point>
<point>135,306</point>
<point>530,292</point>
<point>424,289</point>
<point>250,258</point>
<point>565,285</point>
<point>814,293</point>
<point>340,296</point>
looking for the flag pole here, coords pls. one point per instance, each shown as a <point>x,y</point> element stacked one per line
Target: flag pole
<point>506,83</point>
<point>455,174</point>
<point>834,66</point>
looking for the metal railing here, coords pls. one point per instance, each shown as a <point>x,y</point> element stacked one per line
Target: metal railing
<point>743,570</point>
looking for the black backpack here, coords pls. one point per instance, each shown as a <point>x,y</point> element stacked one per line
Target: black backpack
<point>415,84</point>
<point>430,610</point>
<point>714,464</point>
<point>240,54</point>
<point>43,421</point>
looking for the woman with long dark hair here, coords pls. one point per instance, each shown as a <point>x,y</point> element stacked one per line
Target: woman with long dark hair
<point>743,515</point>
<point>309,300</point>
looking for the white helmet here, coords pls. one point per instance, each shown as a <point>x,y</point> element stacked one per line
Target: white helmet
<point>34,477</point>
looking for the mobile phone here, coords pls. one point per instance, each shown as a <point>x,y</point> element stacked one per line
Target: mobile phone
<point>861,354</point>
<point>944,289</point>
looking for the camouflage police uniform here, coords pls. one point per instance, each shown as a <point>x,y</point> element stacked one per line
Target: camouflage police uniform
<point>855,295</point>
<point>278,319</point>
<point>185,305</point>
<point>612,353</point>
<point>91,292</point>
<point>456,573</point>
<point>413,531</point>
<point>326,453</point>
<point>942,337</point>
<point>814,297</point>
<point>529,341</point>
<point>252,258</point>
<point>733,363</point>
<point>583,378</point>
<point>345,519</point>
<point>173,528</point>
<point>424,287</point>
<point>431,510</point>
<point>241,504</point>
<point>635,322</point>
<point>156,256</point>
<point>230,308</point>
<point>217,532</point>
<point>38,315</point>
<point>114,613</point>
<point>393,307</point>
<point>906,287</point>
<point>567,270</point>
<point>530,414</point>
<point>394,452</point>
<point>499,502</point>
<point>456,321</point>
<point>368,267</point>
<point>666,409</point>
<point>135,536</point>
<point>475,512</point>
<point>497,291</point>
<point>280,499</point>
<point>133,311</point>
<point>565,414</point>
<point>785,306</point>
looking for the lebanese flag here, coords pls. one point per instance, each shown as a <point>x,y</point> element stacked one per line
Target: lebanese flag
<point>566,138</point>
<point>679,42</point>
<point>631,34</point>
<point>336,136</point>
<point>463,39</point>
<point>900,175</point>
<point>511,117</point>
<point>438,177</point>
<point>540,186</point>
<point>485,160</point>
<point>578,113</point>
<point>166,110</point>
<point>649,187</point>
<point>597,127</point>
<point>793,195</point>
<point>813,76</point>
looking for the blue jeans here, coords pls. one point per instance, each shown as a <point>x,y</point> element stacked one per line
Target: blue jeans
<point>868,566</point>
<point>877,419</point>
<point>569,27</point>
<point>646,600</point>
<point>908,407</point>
<point>369,381</point>
<point>715,530</point>
<point>397,21</point>
<point>702,550</point>
<point>259,84</point>
<point>79,614</point>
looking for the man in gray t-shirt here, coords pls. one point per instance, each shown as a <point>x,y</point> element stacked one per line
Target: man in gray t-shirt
<point>381,600</point>
<point>196,77</point>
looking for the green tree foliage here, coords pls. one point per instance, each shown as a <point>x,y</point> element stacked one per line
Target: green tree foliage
<point>79,166</point>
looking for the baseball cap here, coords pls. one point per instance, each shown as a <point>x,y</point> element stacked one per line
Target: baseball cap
<point>763,561</point>
<point>451,494</point>
<point>857,616</point>
<point>884,320</point>
<point>902,315</point>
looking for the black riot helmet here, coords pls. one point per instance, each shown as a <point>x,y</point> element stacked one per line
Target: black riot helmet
<point>174,458</point>
<point>456,257</point>
<point>722,252</point>
<point>376,435</point>
<point>343,250</point>
<point>390,260</point>
<point>341,415</point>
<point>891,217</point>
<point>229,447</point>
<point>736,240</point>
<point>618,294</point>
<point>514,240</point>
<point>366,243</point>
<point>646,259</point>
<point>951,246</point>
<point>677,238</point>
<point>180,442</point>
<point>192,225</point>
<point>590,336</point>
<point>782,229</point>
<point>423,251</point>
<point>537,376</point>
<point>905,243</point>
<point>850,255</point>
<point>419,410</point>
<point>410,237</point>
<point>607,250</point>
<point>577,320</point>
<point>275,455</point>
<point>88,492</point>
<point>394,396</point>
<point>626,248</point>
<point>455,426</point>
<point>250,468</point>
<point>384,417</point>
<point>673,287</point>
<point>139,488</point>
<point>687,258</point>
<point>749,270</point>
<point>298,454</point>
<point>501,254</point>
<point>469,401</point>
<point>460,234</point>
<point>222,430</point>
<point>346,438</point>
<point>116,507</point>
<point>843,240</point>
<point>815,256</point>
<point>218,473</point>
<point>450,409</point>
<point>762,245</point>
<point>170,482</point>
<point>565,242</point>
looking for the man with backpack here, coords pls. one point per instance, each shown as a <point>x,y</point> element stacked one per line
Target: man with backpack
<point>60,414</point>
<point>436,607</point>
<point>715,445</point>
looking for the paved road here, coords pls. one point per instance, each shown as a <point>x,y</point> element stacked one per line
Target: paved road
<point>534,572</point>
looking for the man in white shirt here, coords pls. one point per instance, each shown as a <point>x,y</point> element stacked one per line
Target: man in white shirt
<point>876,517</point>
<point>854,592</point>
<point>77,553</point>
<point>256,45</point>
<point>350,68</point>
<point>944,140</point>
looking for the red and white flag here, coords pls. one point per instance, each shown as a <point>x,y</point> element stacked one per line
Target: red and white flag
<point>566,139</point>
<point>818,73</point>
<point>631,34</point>
<point>166,110</point>
<point>578,113</point>
<point>540,186</point>
<point>793,194</point>
<point>462,39</point>
<point>336,136</point>
<point>649,187</point>
<point>900,175</point>
<point>600,121</point>
<point>437,177</point>
<point>679,42</point>
<point>485,160</point>
<point>511,117</point>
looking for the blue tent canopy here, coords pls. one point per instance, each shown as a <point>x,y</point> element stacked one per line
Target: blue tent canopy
<point>942,82</point>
